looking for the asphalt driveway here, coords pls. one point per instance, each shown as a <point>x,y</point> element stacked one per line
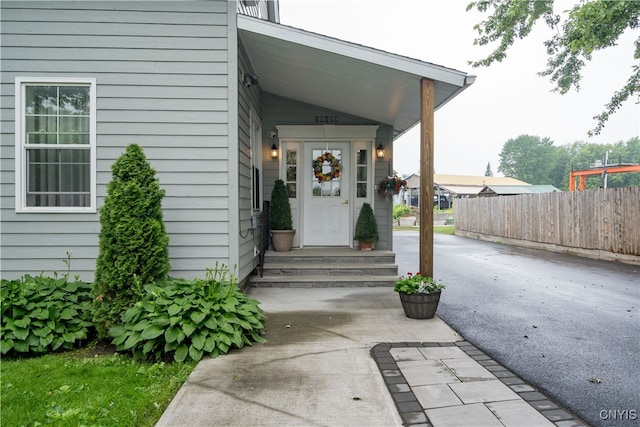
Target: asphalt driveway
<point>568,325</point>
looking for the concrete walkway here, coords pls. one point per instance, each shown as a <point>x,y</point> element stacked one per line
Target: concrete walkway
<point>329,361</point>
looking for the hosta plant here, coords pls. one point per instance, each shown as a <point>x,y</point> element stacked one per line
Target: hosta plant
<point>187,319</point>
<point>43,314</point>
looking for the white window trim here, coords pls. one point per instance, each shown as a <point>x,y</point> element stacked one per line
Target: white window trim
<point>255,142</point>
<point>21,167</point>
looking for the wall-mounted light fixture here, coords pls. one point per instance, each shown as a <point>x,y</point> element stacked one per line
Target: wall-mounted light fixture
<point>249,79</point>
<point>380,151</point>
<point>274,148</point>
<point>274,151</point>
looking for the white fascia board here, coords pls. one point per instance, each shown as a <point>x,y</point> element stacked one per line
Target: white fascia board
<point>327,131</point>
<point>355,51</point>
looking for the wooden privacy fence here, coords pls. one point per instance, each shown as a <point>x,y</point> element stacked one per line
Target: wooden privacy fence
<point>605,220</point>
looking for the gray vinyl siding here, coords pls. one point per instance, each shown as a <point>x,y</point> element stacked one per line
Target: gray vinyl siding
<point>382,209</point>
<point>248,99</point>
<point>282,111</point>
<point>162,75</point>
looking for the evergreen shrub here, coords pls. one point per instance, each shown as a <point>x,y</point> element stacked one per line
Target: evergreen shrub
<point>366,226</point>
<point>133,243</point>
<point>280,208</point>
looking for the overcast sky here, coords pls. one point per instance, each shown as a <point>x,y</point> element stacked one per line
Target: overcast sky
<point>508,99</point>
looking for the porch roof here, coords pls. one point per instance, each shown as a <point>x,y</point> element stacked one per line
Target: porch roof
<point>343,76</point>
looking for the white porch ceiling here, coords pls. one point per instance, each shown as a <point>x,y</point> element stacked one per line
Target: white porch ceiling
<point>342,76</point>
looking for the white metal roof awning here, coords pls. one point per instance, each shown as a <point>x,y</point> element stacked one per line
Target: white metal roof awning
<point>461,189</point>
<point>343,76</point>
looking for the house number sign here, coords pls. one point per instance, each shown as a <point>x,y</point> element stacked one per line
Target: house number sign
<point>318,118</point>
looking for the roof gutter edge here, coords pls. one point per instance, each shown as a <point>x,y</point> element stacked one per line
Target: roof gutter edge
<point>468,81</point>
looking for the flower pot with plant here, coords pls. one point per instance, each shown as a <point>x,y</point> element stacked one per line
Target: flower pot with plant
<point>419,295</point>
<point>366,228</point>
<point>280,222</point>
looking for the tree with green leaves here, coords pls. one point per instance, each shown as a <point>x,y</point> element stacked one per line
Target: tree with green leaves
<point>559,174</point>
<point>488,171</point>
<point>133,244</point>
<point>537,161</point>
<point>529,158</point>
<point>629,153</point>
<point>583,155</point>
<point>586,28</point>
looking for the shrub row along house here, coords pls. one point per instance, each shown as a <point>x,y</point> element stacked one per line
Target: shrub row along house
<point>224,100</point>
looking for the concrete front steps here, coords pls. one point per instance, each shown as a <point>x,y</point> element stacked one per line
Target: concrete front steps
<point>327,267</point>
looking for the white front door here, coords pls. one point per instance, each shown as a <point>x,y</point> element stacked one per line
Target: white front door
<point>327,196</point>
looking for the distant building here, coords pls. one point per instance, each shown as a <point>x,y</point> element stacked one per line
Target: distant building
<point>448,187</point>
<point>513,190</point>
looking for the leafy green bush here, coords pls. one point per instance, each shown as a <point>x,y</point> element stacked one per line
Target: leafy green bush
<point>400,210</point>
<point>133,245</point>
<point>43,314</point>
<point>190,318</point>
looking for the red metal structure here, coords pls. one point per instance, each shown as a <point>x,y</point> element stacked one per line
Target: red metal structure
<point>598,171</point>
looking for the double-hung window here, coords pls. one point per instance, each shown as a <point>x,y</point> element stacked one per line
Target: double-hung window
<point>55,145</point>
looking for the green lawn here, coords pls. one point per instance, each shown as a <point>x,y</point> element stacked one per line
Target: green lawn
<point>442,229</point>
<point>80,388</point>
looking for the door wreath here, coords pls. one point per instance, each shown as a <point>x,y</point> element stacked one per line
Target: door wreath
<point>318,164</point>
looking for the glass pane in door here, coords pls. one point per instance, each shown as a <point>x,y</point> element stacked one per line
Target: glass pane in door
<point>361,173</point>
<point>327,171</point>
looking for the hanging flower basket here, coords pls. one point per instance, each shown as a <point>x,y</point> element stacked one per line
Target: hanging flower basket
<point>318,167</point>
<point>390,186</point>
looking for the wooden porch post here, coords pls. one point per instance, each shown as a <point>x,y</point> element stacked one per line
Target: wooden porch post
<point>426,176</point>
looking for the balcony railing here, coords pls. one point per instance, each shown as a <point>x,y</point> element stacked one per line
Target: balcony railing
<point>255,8</point>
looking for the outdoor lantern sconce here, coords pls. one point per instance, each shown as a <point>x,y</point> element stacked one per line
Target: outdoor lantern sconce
<point>274,148</point>
<point>380,151</point>
<point>249,79</point>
